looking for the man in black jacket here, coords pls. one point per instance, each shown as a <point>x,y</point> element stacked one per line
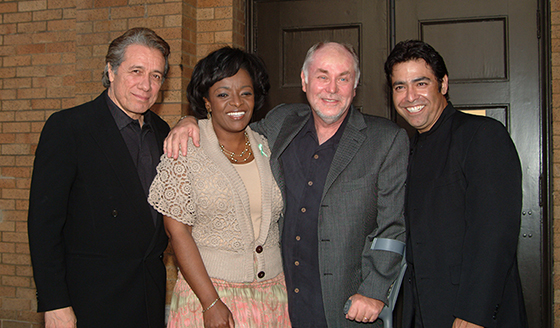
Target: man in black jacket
<point>463,203</point>
<point>96,244</point>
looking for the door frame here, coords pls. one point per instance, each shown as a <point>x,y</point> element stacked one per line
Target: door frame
<point>546,188</point>
<point>547,261</point>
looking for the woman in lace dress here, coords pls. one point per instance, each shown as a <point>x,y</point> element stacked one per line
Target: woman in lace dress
<point>221,204</point>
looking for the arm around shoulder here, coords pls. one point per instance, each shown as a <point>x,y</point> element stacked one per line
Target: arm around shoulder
<point>178,138</point>
<point>271,124</point>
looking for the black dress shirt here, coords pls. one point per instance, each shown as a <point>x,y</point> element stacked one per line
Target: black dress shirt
<point>141,143</point>
<point>422,149</point>
<point>423,146</point>
<point>306,165</point>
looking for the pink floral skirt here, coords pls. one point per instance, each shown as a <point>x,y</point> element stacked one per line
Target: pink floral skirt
<point>254,304</point>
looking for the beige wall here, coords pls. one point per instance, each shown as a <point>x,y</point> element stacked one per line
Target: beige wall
<point>52,55</point>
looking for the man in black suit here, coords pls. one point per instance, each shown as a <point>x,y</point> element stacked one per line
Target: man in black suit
<point>463,203</point>
<point>96,244</point>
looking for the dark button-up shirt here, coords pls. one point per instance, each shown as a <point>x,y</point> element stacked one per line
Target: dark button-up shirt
<point>306,165</point>
<point>141,143</point>
<point>422,149</point>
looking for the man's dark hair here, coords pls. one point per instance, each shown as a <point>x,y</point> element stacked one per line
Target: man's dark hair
<point>138,35</point>
<point>409,50</point>
<point>220,64</point>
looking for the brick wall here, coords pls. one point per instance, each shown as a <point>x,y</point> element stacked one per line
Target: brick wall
<point>52,55</point>
<point>219,24</point>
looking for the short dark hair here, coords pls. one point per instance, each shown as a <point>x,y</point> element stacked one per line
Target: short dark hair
<point>409,50</point>
<point>220,64</point>
<point>138,35</point>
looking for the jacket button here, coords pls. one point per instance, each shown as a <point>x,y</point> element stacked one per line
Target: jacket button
<point>259,249</point>
<point>260,275</point>
<point>496,311</point>
<point>115,213</point>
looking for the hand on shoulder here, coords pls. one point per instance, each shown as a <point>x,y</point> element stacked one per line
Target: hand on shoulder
<point>178,138</point>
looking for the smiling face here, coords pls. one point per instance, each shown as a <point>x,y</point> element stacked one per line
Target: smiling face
<point>231,101</point>
<point>330,83</point>
<point>417,95</point>
<point>136,82</point>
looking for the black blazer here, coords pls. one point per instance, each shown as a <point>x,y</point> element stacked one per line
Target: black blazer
<point>92,239</point>
<point>463,216</point>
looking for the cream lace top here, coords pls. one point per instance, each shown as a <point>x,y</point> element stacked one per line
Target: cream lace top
<point>204,190</point>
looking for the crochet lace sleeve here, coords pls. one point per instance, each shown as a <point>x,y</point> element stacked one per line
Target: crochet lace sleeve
<point>171,192</point>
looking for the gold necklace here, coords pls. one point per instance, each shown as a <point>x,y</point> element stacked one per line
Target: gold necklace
<point>233,157</point>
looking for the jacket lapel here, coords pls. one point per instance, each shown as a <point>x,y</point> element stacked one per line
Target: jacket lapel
<point>160,135</point>
<point>348,146</point>
<point>290,128</point>
<point>108,137</point>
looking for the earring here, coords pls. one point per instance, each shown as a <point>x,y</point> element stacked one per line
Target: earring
<point>209,115</point>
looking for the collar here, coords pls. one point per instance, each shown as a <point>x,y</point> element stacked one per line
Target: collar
<point>120,116</point>
<point>448,111</point>
<point>309,128</point>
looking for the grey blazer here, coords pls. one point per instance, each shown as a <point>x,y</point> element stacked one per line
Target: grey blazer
<point>363,199</point>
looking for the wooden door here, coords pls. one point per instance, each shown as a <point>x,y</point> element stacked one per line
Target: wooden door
<point>491,50</point>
